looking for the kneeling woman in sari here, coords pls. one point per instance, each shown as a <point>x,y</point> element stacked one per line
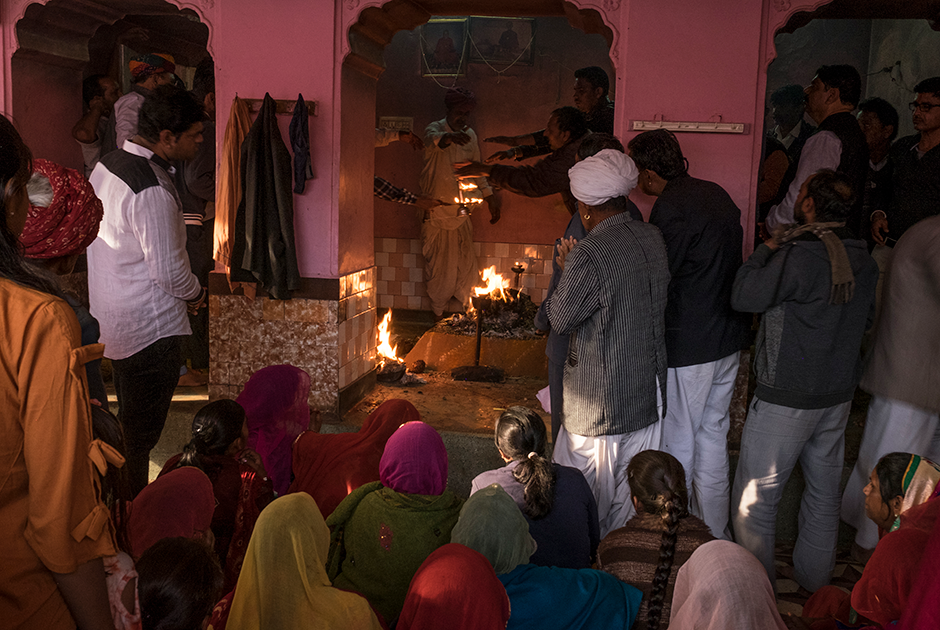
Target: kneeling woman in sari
<point>384,530</point>
<point>456,588</point>
<point>901,499</point>
<point>542,598</point>
<point>328,466</point>
<point>283,583</point>
<point>239,481</point>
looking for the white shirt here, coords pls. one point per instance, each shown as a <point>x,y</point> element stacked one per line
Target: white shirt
<point>139,277</point>
<point>126,113</point>
<point>823,149</point>
<point>437,178</point>
<point>787,140</point>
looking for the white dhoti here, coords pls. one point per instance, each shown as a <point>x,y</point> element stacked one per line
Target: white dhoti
<point>603,461</point>
<point>450,261</point>
<point>695,431</point>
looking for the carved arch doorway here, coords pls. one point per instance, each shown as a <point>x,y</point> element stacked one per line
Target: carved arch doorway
<point>368,27</point>
<point>50,46</point>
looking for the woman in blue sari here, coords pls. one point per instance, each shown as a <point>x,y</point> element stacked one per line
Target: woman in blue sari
<point>540,597</point>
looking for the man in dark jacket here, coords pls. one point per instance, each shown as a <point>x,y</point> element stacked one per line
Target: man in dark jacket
<point>565,130</point>
<point>815,285</point>
<point>704,335</point>
<point>838,143</point>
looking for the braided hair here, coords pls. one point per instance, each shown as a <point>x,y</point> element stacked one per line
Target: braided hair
<point>657,480</point>
<point>215,427</point>
<point>521,436</point>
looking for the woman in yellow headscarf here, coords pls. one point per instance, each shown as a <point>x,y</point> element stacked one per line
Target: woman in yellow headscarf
<point>283,583</point>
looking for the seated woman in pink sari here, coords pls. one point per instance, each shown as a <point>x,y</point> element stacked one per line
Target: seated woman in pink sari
<point>239,481</point>
<point>275,403</point>
<point>901,499</point>
<point>330,466</point>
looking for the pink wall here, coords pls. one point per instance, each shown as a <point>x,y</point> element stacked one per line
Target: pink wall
<point>47,101</point>
<point>518,101</point>
<point>681,60</point>
<point>286,48</point>
<point>696,61</point>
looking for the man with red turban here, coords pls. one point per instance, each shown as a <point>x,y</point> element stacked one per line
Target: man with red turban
<point>64,214</point>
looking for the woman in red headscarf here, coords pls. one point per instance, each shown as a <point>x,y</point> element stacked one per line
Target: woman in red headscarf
<point>239,481</point>
<point>330,466</point>
<point>456,588</point>
<point>382,532</point>
<point>179,503</point>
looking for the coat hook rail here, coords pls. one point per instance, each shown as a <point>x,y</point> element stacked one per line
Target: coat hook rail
<point>283,106</point>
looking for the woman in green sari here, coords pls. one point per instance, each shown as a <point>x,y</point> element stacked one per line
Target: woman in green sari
<point>383,531</point>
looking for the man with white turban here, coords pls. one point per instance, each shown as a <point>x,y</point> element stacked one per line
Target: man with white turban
<point>556,348</point>
<point>610,300</point>
<point>704,335</point>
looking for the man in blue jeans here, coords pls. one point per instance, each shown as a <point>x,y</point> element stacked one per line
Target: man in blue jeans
<point>139,280</point>
<point>814,282</point>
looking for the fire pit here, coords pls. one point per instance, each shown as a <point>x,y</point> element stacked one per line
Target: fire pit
<point>507,340</point>
<point>391,368</point>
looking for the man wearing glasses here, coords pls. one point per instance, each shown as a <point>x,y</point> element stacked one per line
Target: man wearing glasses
<point>916,179</point>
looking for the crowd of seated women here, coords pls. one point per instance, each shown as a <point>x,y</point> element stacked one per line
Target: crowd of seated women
<point>262,523</point>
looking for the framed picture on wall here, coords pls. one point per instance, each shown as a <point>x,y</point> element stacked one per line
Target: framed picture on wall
<point>443,47</point>
<point>502,41</point>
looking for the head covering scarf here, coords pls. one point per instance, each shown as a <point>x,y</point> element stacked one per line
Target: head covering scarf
<point>491,523</point>
<point>414,461</point>
<point>455,588</point>
<point>275,402</point>
<point>723,586</point>
<point>330,466</point>
<point>283,583</point>
<point>604,176</point>
<point>843,280</point>
<point>142,66</point>
<point>920,482</point>
<point>180,503</point>
<point>459,96</point>
<point>69,223</point>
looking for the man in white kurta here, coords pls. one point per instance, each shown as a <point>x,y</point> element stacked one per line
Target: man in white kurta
<point>446,234</point>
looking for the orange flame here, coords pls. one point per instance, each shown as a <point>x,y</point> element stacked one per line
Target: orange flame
<point>385,349</point>
<point>494,283</point>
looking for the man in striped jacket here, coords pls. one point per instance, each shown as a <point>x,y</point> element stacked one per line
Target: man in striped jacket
<point>611,300</point>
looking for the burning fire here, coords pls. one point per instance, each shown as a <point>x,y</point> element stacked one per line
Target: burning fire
<point>385,349</point>
<point>494,283</point>
<point>463,198</point>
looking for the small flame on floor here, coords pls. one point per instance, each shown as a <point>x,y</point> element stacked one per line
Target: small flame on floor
<point>385,349</point>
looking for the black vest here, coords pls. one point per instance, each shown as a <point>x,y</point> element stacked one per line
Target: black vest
<point>853,162</point>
